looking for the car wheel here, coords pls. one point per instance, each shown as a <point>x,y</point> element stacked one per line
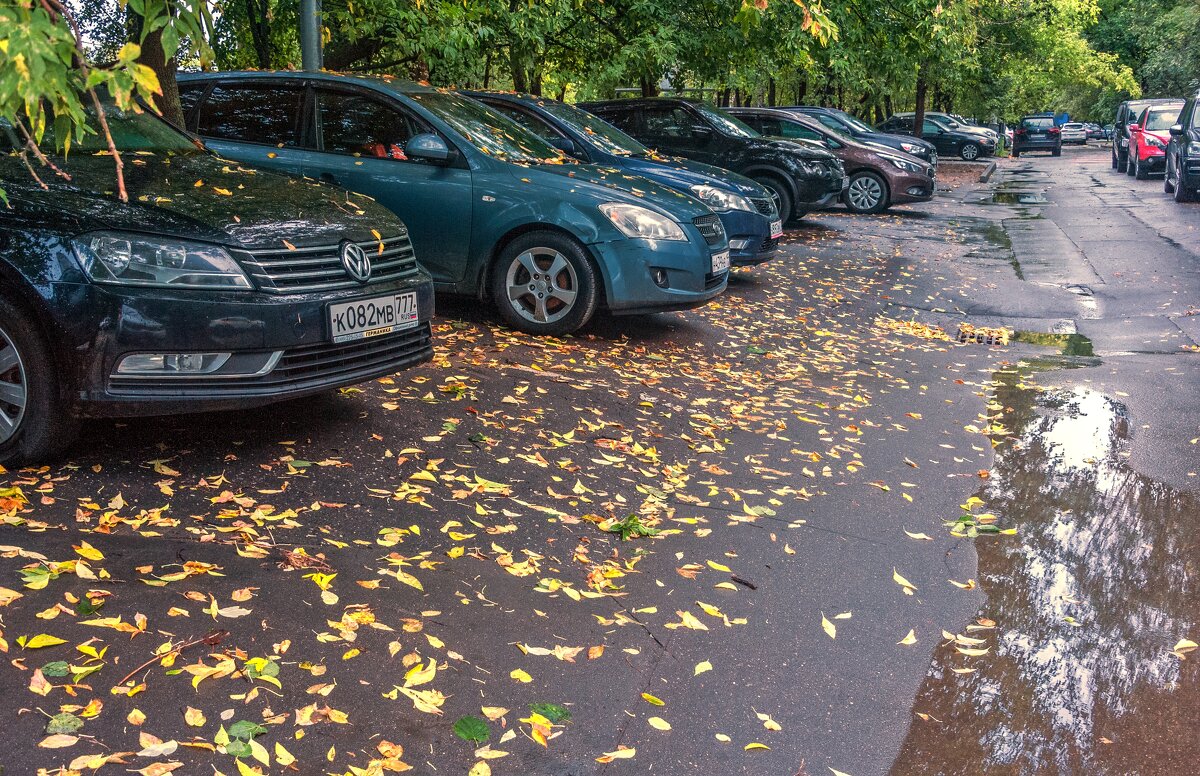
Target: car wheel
<point>782,197</point>
<point>1130,160</point>
<point>1056,151</point>
<point>969,152</point>
<point>1016,154</point>
<point>868,193</point>
<point>1168,187</point>
<point>34,424</point>
<point>1139,171</point>
<point>1182,193</point>
<point>544,283</point>
<point>1114,156</point>
<point>1122,160</point>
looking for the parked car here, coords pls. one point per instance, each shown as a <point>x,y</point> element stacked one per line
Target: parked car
<point>878,178</point>
<point>949,142</point>
<point>1073,132</point>
<point>1095,131</point>
<point>843,123</point>
<point>1148,138</point>
<point>801,177</point>
<point>1109,129</point>
<point>1127,113</point>
<point>956,123</point>
<point>214,287</point>
<point>1037,133</point>
<point>747,209</point>
<point>495,212</point>
<point>1183,153</point>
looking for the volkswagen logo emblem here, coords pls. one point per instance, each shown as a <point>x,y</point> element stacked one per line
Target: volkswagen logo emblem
<point>356,262</point>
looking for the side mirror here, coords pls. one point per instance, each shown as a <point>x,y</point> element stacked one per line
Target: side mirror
<point>1134,127</point>
<point>429,147</point>
<point>1176,130</point>
<point>566,145</point>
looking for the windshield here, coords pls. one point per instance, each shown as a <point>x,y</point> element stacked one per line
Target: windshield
<point>492,133</point>
<point>600,133</point>
<point>853,122</point>
<point>1162,118</point>
<point>724,122</point>
<point>132,132</point>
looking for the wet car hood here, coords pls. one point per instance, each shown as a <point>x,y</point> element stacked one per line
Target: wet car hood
<point>199,197</point>
<point>683,173</point>
<point>608,184</point>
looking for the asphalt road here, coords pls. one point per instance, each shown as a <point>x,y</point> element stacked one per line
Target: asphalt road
<point>795,449</point>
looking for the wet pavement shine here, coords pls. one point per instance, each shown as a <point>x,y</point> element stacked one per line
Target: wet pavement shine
<point>802,530</point>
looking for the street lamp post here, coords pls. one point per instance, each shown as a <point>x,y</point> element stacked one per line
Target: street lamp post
<point>310,34</point>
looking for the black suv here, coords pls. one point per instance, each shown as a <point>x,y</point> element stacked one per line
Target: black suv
<point>844,124</point>
<point>1183,153</point>
<point>804,178</point>
<point>1037,133</point>
<point>215,286</point>
<point>949,142</point>
<point>1127,113</point>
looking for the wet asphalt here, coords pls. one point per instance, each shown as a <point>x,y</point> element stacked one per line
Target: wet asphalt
<point>782,441</point>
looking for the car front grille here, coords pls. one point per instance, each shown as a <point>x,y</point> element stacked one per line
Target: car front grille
<point>765,206</point>
<point>303,270</point>
<point>710,228</point>
<point>323,364</point>
<point>711,280</point>
<point>769,244</point>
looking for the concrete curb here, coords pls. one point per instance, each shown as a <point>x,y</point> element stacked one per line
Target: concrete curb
<point>986,174</point>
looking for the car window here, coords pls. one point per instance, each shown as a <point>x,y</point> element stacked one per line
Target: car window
<point>349,123</point>
<point>531,122</point>
<point>252,113</point>
<point>930,127</point>
<point>1037,123</point>
<point>1160,119</point>
<point>134,132</point>
<point>189,96</point>
<point>794,129</point>
<point>598,131</point>
<point>724,122</point>
<point>490,132</point>
<point>669,121</point>
<point>621,119</point>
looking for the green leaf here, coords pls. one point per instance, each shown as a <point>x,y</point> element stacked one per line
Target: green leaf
<point>238,748</point>
<point>244,730</point>
<point>472,729</point>
<point>63,723</point>
<point>551,711</point>
<point>56,668</point>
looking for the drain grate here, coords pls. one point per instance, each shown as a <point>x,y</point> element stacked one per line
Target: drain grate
<point>983,335</point>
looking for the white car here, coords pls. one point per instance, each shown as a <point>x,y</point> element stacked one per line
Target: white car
<point>1074,132</point>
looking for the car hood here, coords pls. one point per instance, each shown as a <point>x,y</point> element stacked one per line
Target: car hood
<point>681,173</point>
<point>609,184</point>
<point>200,197</point>
<point>888,137</point>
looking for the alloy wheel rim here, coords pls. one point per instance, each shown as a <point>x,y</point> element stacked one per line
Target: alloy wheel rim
<point>542,285</point>
<point>865,193</point>
<point>970,152</point>
<point>13,388</point>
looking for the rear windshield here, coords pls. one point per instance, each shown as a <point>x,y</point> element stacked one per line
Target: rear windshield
<point>1161,118</point>
<point>1072,125</point>
<point>1038,123</point>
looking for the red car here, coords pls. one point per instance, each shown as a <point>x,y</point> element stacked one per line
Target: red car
<point>1148,139</point>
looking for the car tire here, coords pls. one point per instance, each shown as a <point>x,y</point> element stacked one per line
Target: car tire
<point>1122,161</point>
<point>969,152</point>
<point>1182,193</point>
<point>1139,171</point>
<point>1130,161</point>
<point>35,425</point>
<point>868,193</point>
<point>783,197</point>
<point>544,283</point>
<point>1056,152</point>
<point>1016,154</point>
<point>1114,156</point>
<point>1168,187</point>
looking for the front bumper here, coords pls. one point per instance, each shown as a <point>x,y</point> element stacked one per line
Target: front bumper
<point>750,240</point>
<point>628,267</point>
<point>825,194</point>
<point>909,187</point>
<point>287,334</point>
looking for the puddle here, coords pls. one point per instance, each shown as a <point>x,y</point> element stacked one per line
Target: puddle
<point>1088,599</point>
<point>998,243</point>
<point>1017,198</point>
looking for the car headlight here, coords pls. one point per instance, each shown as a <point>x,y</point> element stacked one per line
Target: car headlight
<point>1155,142</point>
<point>142,260</point>
<point>1193,151</point>
<point>902,164</point>
<point>720,199</point>
<point>637,221</point>
<point>911,148</point>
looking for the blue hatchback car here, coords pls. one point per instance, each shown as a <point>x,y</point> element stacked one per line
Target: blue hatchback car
<point>493,210</point>
<point>747,209</point>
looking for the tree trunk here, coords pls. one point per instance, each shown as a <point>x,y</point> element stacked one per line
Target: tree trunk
<point>156,59</point>
<point>649,86</point>
<point>801,90</point>
<point>922,88</point>
<point>723,98</point>
<point>771,93</point>
<point>535,83</point>
<point>517,68</point>
<point>487,70</point>
<point>257,12</point>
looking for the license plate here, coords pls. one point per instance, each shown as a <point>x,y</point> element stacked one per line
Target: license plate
<point>776,229</point>
<point>720,262</point>
<point>375,317</point>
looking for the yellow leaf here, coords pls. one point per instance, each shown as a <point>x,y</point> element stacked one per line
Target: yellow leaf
<point>419,675</point>
<point>194,717</point>
<point>622,753</point>
<point>283,756</point>
<point>494,712</point>
<point>920,536</point>
<point>41,641</point>
<point>712,564</point>
<point>836,772</point>
<point>909,587</point>
<point>755,745</point>
<point>480,768</point>
<point>724,739</point>
<point>8,596</point>
<point>57,741</point>
<point>652,700</point>
<point>829,627</point>
<point>408,579</point>
<point>701,667</point>
<point>135,717</point>
<point>911,638</point>
<point>658,723</point>
<point>521,676</point>
<point>86,550</point>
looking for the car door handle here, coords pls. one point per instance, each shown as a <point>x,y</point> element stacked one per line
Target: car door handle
<point>328,177</point>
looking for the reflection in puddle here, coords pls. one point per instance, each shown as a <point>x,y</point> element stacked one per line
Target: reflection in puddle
<point>1017,198</point>
<point>1087,599</point>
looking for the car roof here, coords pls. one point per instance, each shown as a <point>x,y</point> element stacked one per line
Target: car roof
<point>635,101</point>
<point>384,82</point>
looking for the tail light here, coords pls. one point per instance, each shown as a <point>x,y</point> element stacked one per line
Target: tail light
<point>1055,130</point>
<point>1019,131</point>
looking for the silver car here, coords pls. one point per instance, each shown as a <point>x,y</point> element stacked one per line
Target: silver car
<point>1074,132</point>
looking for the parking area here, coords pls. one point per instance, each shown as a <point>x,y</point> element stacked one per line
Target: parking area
<point>800,529</point>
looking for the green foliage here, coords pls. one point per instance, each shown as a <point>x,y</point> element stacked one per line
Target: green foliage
<point>551,711</point>
<point>472,729</point>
